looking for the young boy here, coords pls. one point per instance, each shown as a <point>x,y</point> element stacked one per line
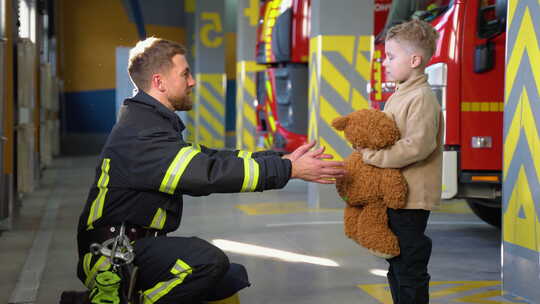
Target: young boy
<point>409,47</point>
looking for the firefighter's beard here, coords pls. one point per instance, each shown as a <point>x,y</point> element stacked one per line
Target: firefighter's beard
<point>183,103</point>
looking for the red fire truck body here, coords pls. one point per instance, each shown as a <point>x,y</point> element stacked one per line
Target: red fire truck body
<point>283,46</point>
<point>282,106</point>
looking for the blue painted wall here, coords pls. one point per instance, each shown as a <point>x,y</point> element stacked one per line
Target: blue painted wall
<point>90,111</point>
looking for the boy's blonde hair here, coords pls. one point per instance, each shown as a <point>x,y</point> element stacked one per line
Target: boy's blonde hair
<point>419,34</point>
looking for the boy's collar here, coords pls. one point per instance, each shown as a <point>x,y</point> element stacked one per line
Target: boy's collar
<point>412,82</point>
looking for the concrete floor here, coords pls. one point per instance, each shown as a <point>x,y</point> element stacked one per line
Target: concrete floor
<point>465,265</point>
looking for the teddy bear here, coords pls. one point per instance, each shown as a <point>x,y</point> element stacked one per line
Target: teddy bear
<point>368,190</point>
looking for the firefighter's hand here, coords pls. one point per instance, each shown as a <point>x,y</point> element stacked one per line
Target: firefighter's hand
<point>311,166</point>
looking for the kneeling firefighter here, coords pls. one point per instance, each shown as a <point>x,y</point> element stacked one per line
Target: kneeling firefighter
<point>144,169</point>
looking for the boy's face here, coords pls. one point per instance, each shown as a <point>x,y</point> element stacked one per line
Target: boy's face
<point>400,62</point>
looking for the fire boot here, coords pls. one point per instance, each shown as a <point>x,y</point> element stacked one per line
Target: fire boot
<point>75,297</point>
<point>234,299</point>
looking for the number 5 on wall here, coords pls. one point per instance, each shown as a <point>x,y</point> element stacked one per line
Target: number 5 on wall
<point>212,23</point>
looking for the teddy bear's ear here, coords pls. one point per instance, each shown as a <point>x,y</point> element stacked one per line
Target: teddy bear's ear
<point>340,123</point>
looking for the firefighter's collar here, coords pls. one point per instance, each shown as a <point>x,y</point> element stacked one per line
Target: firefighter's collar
<point>146,99</point>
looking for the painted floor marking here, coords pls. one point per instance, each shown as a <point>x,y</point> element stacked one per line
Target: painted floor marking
<point>449,223</point>
<point>449,207</point>
<point>481,292</point>
<point>282,208</point>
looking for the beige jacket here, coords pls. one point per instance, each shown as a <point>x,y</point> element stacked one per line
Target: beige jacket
<point>418,116</point>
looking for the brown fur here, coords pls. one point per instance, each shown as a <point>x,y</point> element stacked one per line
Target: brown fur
<point>368,190</point>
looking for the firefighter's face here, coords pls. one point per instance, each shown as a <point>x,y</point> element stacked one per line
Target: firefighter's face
<point>400,61</point>
<point>179,84</point>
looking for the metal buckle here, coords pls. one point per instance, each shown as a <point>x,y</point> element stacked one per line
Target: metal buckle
<point>117,249</point>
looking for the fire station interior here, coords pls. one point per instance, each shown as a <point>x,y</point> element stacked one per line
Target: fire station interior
<point>272,75</point>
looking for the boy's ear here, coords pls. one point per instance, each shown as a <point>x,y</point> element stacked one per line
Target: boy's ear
<point>416,60</point>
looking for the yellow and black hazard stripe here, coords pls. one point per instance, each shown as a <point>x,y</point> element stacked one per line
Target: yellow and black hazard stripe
<point>210,110</point>
<point>338,78</point>
<point>246,119</point>
<point>451,292</point>
<point>521,139</point>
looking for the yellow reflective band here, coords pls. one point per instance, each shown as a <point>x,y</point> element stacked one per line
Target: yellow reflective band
<point>86,263</point>
<point>176,169</point>
<point>244,154</point>
<point>196,147</point>
<point>251,175</point>
<point>96,211</point>
<point>101,264</point>
<point>181,270</point>
<point>484,106</point>
<point>159,219</point>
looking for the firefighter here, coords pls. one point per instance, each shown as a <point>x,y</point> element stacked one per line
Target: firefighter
<point>144,169</point>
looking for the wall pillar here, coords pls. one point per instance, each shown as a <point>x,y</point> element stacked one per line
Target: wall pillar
<point>521,162</point>
<point>339,69</point>
<point>189,14</point>
<point>246,123</point>
<point>7,135</point>
<point>209,105</point>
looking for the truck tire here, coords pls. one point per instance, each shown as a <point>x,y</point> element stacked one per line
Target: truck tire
<point>487,210</point>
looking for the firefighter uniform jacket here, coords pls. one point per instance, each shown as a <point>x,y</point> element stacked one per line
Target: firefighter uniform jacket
<point>145,167</point>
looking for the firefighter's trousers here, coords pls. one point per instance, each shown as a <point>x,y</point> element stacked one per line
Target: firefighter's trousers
<point>176,270</point>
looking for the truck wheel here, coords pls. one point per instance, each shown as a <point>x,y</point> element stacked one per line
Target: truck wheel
<point>487,210</point>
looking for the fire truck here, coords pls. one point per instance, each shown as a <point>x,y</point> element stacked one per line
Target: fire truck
<point>283,47</point>
<point>467,75</point>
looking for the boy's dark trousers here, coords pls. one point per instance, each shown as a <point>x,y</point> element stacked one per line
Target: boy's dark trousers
<point>407,274</point>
